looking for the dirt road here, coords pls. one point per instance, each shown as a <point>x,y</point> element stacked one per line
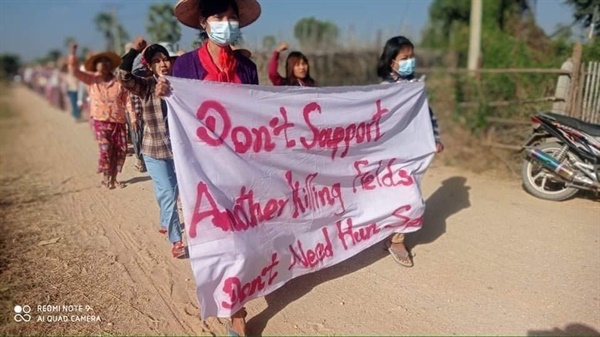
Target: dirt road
<point>490,260</point>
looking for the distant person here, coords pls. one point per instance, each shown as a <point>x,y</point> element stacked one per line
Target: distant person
<point>72,87</point>
<point>135,114</point>
<point>397,65</point>
<point>107,111</point>
<point>297,69</point>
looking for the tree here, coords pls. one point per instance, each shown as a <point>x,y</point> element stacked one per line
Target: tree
<point>105,24</point>
<point>9,65</point>
<point>314,33</point>
<point>269,42</point>
<point>162,26</point>
<point>114,33</point>
<point>68,41</point>
<point>83,53</point>
<point>586,13</point>
<point>562,32</point>
<point>54,55</point>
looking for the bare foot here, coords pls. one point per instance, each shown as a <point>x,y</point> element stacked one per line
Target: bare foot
<point>238,322</point>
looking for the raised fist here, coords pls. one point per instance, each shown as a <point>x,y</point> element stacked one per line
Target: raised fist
<point>282,47</point>
<point>139,44</point>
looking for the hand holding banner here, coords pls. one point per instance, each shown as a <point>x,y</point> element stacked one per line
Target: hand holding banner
<point>277,182</point>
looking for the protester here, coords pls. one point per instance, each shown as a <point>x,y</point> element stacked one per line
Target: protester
<point>397,65</point>
<point>297,69</point>
<point>156,146</point>
<point>219,22</point>
<point>136,129</point>
<point>72,86</point>
<point>107,111</point>
<point>135,114</point>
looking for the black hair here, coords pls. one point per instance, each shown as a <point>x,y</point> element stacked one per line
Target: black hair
<point>392,47</point>
<point>214,7</point>
<point>153,50</point>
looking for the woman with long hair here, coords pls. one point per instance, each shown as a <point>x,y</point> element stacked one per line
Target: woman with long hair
<point>297,69</point>
<point>397,65</point>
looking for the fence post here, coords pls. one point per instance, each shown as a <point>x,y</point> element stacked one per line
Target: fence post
<point>563,84</point>
<point>574,90</point>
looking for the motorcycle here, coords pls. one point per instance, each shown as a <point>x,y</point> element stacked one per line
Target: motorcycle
<point>562,157</point>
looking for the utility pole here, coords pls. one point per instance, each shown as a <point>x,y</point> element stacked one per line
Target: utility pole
<point>593,25</point>
<point>475,35</point>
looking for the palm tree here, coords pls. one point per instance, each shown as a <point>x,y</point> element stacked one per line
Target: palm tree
<point>105,24</point>
<point>587,14</point>
<point>54,55</point>
<point>162,26</point>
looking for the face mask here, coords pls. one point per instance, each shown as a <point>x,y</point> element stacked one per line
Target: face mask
<point>224,33</point>
<point>406,67</point>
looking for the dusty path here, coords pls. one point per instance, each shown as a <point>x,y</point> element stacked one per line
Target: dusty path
<point>491,260</point>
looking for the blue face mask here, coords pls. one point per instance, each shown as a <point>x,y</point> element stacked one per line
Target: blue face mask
<point>406,67</point>
<point>224,33</point>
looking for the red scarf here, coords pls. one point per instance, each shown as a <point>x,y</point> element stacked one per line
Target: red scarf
<point>227,73</point>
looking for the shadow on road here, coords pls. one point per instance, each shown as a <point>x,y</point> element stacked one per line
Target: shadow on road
<point>451,198</point>
<point>136,180</point>
<point>573,329</point>
<point>447,200</point>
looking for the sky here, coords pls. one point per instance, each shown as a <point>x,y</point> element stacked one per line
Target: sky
<point>31,28</point>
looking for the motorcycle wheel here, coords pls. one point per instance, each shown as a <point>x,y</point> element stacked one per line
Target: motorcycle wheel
<point>542,183</point>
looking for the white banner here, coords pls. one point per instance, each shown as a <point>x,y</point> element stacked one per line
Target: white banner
<point>277,182</point>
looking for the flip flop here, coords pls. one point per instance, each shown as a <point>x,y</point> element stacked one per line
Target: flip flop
<point>140,168</point>
<point>119,184</point>
<point>178,250</point>
<point>403,259</point>
<point>230,331</point>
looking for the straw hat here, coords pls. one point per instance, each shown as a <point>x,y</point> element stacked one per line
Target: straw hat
<point>90,63</point>
<point>188,12</point>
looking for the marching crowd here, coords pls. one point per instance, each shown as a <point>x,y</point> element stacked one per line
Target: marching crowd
<point>121,98</point>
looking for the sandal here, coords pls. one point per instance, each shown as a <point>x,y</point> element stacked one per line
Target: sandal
<point>104,184</point>
<point>140,168</point>
<point>178,249</point>
<point>162,230</point>
<point>118,184</point>
<point>403,259</point>
<point>230,332</point>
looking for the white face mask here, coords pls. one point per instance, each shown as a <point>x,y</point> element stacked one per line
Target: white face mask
<point>224,33</point>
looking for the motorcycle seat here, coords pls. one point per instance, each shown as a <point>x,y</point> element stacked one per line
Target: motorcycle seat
<point>589,128</point>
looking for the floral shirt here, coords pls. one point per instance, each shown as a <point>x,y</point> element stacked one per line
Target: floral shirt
<point>108,100</point>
